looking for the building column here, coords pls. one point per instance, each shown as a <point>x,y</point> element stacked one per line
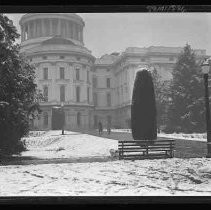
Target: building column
<point>27,27</point>
<point>74,31</point>
<point>42,28</point>
<point>66,29</point>
<point>77,32</point>
<point>82,34</point>
<point>71,30</point>
<point>59,27</point>
<point>35,28</point>
<point>30,30</point>
<point>51,27</point>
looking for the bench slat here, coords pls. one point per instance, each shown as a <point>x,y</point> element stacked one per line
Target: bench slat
<point>139,145</point>
<point>134,141</point>
<point>146,156</point>
<point>144,149</point>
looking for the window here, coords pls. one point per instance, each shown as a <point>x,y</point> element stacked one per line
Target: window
<point>171,58</point>
<point>44,57</point>
<point>45,93</point>
<point>61,57</point>
<point>77,74</point>
<point>45,73</point>
<point>61,72</point>
<point>62,93</point>
<point>108,82</point>
<point>88,94</point>
<point>45,116</point>
<point>78,119</point>
<point>95,99</point>
<point>108,99</point>
<point>87,76</point>
<point>78,94</point>
<point>94,81</point>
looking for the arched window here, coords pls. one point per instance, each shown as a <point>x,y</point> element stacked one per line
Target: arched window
<point>78,119</point>
<point>45,116</point>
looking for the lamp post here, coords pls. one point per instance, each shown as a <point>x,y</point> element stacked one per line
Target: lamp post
<point>205,70</point>
<point>62,109</point>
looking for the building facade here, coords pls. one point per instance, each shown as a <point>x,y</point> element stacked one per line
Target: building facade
<point>91,89</point>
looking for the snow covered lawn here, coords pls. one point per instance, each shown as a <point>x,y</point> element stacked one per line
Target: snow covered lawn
<point>52,144</point>
<point>191,136</point>
<point>115,178</point>
<point>101,176</point>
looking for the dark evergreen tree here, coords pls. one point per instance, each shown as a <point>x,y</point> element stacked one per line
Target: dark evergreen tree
<point>143,108</point>
<point>186,111</point>
<point>17,90</point>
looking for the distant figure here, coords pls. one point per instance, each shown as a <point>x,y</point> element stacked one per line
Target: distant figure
<point>100,128</point>
<point>108,129</point>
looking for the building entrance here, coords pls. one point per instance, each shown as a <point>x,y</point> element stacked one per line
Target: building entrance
<point>58,118</point>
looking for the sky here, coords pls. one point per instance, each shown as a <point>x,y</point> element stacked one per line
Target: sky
<point>105,33</point>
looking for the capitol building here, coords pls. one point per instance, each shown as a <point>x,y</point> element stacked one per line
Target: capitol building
<point>91,89</point>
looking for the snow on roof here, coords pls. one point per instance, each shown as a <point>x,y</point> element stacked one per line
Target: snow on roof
<point>107,59</point>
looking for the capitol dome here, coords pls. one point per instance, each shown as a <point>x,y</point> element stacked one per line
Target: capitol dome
<point>37,27</point>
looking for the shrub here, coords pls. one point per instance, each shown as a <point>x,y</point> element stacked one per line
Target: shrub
<point>143,108</point>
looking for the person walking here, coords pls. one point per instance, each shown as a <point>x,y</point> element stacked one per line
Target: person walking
<point>108,128</point>
<point>100,128</point>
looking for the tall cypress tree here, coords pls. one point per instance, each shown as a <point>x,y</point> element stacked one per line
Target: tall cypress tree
<point>143,107</point>
<point>186,111</point>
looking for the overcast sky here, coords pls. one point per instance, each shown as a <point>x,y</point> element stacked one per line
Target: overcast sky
<point>105,33</point>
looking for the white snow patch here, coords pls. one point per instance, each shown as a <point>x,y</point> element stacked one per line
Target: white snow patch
<point>191,136</point>
<point>170,177</point>
<point>73,144</point>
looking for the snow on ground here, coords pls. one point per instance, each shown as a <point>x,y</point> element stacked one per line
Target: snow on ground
<point>52,144</point>
<point>172,177</point>
<point>103,178</point>
<point>192,136</point>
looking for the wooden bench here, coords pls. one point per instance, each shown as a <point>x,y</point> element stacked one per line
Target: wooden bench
<point>145,149</point>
